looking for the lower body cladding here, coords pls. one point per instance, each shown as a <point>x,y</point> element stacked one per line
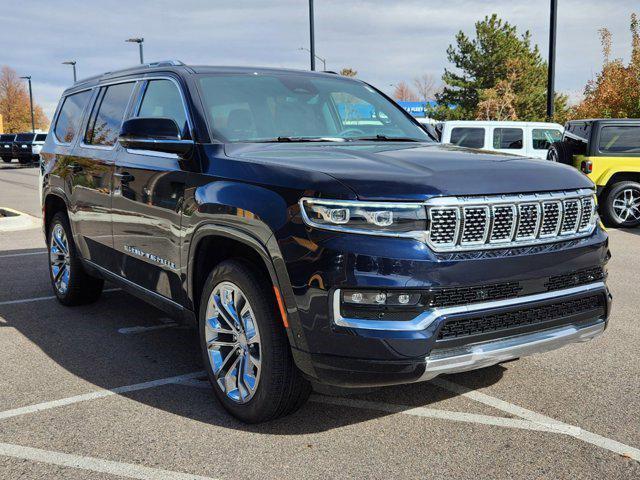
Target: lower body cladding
<point>381,332</point>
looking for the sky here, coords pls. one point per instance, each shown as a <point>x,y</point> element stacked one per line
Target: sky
<point>385,41</point>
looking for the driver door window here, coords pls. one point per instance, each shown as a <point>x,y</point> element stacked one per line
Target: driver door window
<point>162,100</point>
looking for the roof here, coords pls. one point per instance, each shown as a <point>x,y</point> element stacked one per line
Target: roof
<point>499,123</point>
<point>607,120</point>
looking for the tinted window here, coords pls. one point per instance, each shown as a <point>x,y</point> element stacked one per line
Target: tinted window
<point>107,115</point>
<point>24,137</point>
<point>263,107</point>
<point>162,99</point>
<point>507,138</point>
<point>468,137</point>
<point>70,116</point>
<point>41,137</point>
<point>544,137</point>
<point>620,139</point>
<point>7,138</point>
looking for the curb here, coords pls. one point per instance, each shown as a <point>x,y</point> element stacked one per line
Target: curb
<point>12,220</point>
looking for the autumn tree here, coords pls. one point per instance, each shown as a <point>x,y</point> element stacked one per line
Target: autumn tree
<point>14,104</point>
<point>426,87</point>
<point>349,72</point>
<point>482,64</point>
<point>615,92</point>
<point>404,93</point>
<point>498,103</point>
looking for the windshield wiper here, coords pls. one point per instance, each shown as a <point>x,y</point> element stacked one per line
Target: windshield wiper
<point>383,138</point>
<point>302,139</point>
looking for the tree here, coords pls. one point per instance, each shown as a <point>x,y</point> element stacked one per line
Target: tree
<point>349,72</point>
<point>425,86</point>
<point>498,103</point>
<point>14,104</point>
<point>404,93</point>
<point>484,61</point>
<point>615,92</point>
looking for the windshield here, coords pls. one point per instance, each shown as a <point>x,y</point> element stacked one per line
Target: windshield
<point>299,107</point>
<point>24,137</point>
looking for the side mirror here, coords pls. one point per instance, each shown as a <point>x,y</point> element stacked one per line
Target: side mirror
<point>155,134</point>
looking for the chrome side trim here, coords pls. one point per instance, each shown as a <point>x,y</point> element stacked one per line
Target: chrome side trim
<point>480,355</point>
<point>427,317</point>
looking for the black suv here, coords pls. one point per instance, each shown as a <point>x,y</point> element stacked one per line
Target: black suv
<point>313,231</point>
<point>6,146</point>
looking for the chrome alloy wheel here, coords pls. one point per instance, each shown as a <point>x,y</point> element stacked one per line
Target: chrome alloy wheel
<point>626,205</point>
<point>233,342</point>
<point>59,260</point>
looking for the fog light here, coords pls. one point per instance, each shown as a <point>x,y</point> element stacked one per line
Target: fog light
<point>357,297</point>
<point>378,298</point>
<point>381,298</point>
<point>403,298</point>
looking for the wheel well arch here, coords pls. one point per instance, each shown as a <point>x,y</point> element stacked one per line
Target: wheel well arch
<point>52,204</point>
<point>213,246</point>
<point>623,177</point>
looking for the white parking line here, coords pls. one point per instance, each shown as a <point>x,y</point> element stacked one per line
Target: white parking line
<point>40,299</point>
<point>42,252</point>
<point>571,430</point>
<point>38,407</point>
<point>121,469</point>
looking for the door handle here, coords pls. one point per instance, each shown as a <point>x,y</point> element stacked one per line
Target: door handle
<point>125,177</point>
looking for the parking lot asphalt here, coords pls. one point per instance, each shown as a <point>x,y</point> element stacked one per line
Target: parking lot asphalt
<point>114,390</point>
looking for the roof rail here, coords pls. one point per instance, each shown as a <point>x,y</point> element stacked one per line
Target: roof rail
<point>165,63</point>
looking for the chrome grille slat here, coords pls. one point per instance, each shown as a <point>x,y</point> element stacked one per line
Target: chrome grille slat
<point>476,223</point>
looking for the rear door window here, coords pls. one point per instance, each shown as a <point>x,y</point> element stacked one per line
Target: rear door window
<point>70,116</point>
<point>620,140</point>
<point>107,115</point>
<point>544,137</point>
<point>162,100</point>
<point>508,138</point>
<point>468,137</point>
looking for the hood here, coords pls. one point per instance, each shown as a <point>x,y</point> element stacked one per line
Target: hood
<point>388,171</point>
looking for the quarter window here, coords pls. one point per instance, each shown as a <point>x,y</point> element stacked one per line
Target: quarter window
<point>41,137</point>
<point>70,116</point>
<point>544,137</point>
<point>468,137</point>
<point>620,140</point>
<point>162,99</point>
<point>107,115</point>
<point>507,139</point>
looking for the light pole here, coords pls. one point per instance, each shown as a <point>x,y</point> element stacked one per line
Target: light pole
<point>139,41</point>
<point>553,24</point>
<point>33,123</point>
<point>312,37</point>
<point>323,60</point>
<point>73,64</point>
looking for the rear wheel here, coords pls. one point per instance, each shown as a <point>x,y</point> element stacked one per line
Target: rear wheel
<point>71,284</point>
<point>561,153</point>
<point>245,348</point>
<point>622,205</point>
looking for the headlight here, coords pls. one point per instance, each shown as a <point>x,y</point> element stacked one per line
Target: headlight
<point>372,218</point>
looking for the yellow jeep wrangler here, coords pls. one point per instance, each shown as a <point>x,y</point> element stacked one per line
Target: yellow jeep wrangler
<point>608,152</point>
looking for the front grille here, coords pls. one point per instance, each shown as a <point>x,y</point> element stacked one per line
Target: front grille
<point>474,223</point>
<point>580,277</point>
<point>524,317</point>
<point>448,297</point>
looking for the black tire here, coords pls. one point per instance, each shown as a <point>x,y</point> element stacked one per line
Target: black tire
<point>281,388</point>
<point>615,218</point>
<point>81,287</point>
<point>24,160</point>
<point>6,160</point>
<point>560,152</point>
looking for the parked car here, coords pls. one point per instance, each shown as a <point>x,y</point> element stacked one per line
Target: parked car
<point>6,142</point>
<point>306,245</point>
<point>27,146</point>
<point>608,152</point>
<point>529,139</point>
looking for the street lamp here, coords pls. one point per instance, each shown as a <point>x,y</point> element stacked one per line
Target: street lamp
<point>553,24</point>
<point>324,62</point>
<point>139,42</point>
<point>33,123</point>
<point>73,64</point>
<point>312,37</point>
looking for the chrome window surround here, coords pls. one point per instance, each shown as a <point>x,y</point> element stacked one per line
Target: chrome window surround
<point>427,317</point>
<point>516,203</point>
<point>459,205</point>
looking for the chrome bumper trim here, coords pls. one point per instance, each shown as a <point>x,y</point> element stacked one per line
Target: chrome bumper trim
<point>427,317</point>
<point>480,355</point>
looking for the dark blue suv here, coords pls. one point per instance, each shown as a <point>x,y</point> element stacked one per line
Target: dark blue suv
<point>313,231</point>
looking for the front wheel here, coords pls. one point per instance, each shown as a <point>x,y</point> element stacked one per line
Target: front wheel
<point>622,205</point>
<point>245,348</point>
<point>71,284</point>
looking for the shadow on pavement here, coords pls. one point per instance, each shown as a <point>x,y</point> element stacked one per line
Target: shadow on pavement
<point>85,342</point>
